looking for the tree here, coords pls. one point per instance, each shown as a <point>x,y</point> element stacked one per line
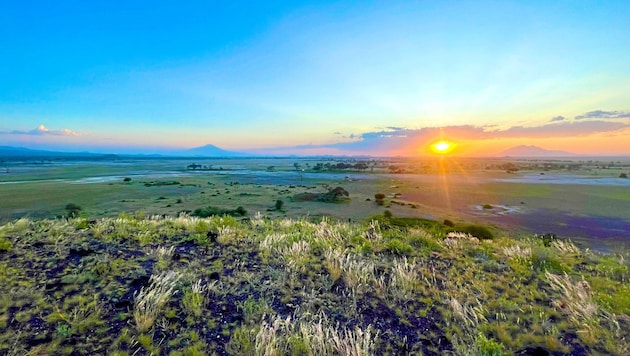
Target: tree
<point>279,204</point>
<point>623,175</point>
<point>337,193</point>
<point>380,198</point>
<point>73,210</point>
<point>297,166</point>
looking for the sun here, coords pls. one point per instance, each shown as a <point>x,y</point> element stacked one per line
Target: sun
<point>442,147</point>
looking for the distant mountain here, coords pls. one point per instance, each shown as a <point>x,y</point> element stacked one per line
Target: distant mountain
<point>211,151</point>
<point>533,151</point>
<point>17,152</point>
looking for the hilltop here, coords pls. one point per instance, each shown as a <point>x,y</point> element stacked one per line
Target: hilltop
<point>184,285</point>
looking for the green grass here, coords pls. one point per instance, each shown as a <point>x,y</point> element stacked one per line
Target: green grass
<point>138,284</point>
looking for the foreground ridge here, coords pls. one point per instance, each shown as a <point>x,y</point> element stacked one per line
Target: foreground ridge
<point>183,285</point>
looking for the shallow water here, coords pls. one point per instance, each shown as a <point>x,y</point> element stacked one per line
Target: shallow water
<point>565,179</point>
<point>597,232</point>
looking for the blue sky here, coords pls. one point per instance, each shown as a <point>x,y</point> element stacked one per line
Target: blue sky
<point>267,77</point>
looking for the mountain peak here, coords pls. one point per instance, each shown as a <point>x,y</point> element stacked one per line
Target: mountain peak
<point>533,151</point>
<point>210,150</point>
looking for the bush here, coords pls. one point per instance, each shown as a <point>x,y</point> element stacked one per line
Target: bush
<point>398,247</point>
<point>127,179</point>
<point>5,245</point>
<point>279,204</point>
<point>211,211</point>
<point>387,214</point>
<point>73,210</point>
<point>478,231</point>
<point>335,195</point>
<point>487,206</point>
<point>448,223</point>
<point>489,347</point>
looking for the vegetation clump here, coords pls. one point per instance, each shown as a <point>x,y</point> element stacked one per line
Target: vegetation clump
<point>333,195</point>
<point>73,210</point>
<point>161,183</point>
<point>379,198</point>
<point>478,231</point>
<point>215,211</point>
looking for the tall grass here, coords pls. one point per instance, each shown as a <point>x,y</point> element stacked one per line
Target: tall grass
<point>151,299</point>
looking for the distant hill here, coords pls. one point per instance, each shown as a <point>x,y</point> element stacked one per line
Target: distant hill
<point>210,151</point>
<point>533,151</point>
<point>17,152</point>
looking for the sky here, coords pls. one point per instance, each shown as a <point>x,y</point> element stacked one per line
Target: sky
<point>325,77</point>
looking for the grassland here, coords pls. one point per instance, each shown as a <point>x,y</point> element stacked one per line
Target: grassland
<point>594,215</point>
<point>139,285</point>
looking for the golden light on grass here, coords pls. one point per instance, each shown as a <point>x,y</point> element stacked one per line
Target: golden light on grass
<point>442,147</point>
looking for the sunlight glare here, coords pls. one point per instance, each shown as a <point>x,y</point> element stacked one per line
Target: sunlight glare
<point>441,147</point>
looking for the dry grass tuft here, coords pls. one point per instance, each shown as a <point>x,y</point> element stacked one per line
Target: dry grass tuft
<point>577,299</point>
<point>150,300</point>
<point>312,337</point>
<point>518,252</point>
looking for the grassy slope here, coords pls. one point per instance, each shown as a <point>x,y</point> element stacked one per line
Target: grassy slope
<point>136,285</point>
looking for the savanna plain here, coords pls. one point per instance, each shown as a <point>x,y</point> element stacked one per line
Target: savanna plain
<point>314,256</point>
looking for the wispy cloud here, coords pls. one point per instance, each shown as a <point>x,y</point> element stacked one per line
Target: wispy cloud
<point>561,129</point>
<point>557,118</point>
<point>602,114</point>
<point>42,130</point>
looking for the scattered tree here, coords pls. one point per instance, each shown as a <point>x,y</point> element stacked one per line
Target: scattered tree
<point>623,175</point>
<point>73,210</point>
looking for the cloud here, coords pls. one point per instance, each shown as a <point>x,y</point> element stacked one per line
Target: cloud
<point>601,114</point>
<point>561,129</point>
<point>399,140</point>
<point>557,118</point>
<point>42,130</point>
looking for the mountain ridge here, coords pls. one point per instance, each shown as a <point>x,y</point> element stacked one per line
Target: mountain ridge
<point>534,151</point>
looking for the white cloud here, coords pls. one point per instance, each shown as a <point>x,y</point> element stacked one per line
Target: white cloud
<point>42,130</point>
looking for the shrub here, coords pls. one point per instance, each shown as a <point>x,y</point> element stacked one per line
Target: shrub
<point>379,198</point>
<point>398,247</point>
<point>489,347</point>
<point>212,211</point>
<point>387,214</point>
<point>448,223</point>
<point>127,179</point>
<point>487,206</point>
<point>335,195</point>
<point>73,210</point>
<point>5,245</point>
<point>543,260</point>
<point>279,204</point>
<point>478,231</point>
